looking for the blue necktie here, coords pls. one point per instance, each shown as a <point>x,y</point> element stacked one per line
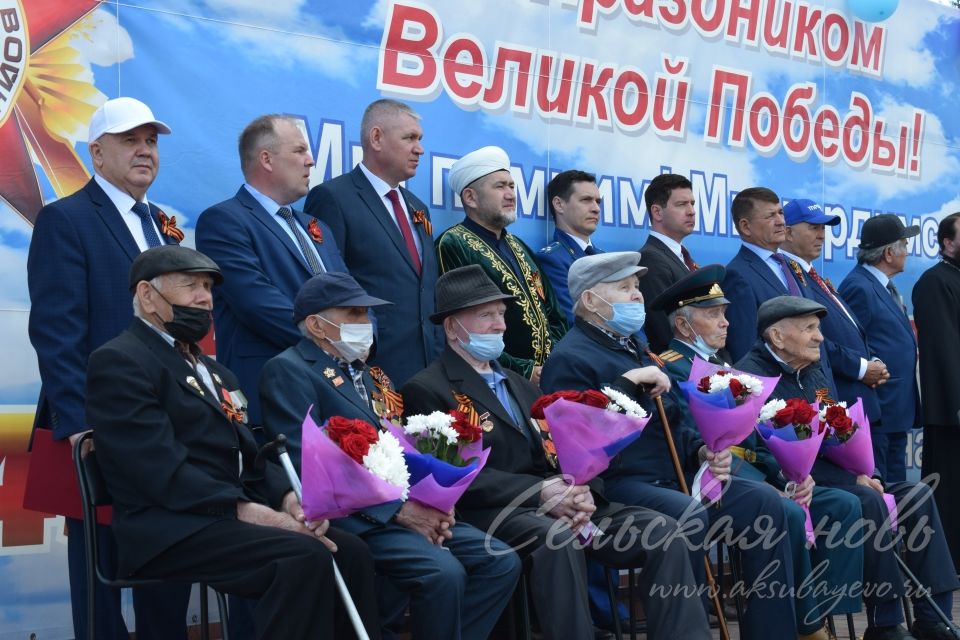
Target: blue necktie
<point>143,211</point>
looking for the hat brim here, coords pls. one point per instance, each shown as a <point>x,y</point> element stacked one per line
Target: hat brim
<point>438,317</point>
<point>361,301</point>
<point>133,124</point>
<point>619,275</point>
<point>830,221</point>
<point>712,302</point>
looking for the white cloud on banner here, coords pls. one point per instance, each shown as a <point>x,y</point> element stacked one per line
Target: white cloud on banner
<point>101,41</point>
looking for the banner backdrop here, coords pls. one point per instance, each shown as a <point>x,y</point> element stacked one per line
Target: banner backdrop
<point>799,96</point>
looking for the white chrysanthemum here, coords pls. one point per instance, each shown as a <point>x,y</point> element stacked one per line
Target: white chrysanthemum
<point>622,403</point>
<point>385,460</point>
<point>770,409</point>
<point>719,382</point>
<point>418,424</point>
<point>448,433</point>
<point>754,386</point>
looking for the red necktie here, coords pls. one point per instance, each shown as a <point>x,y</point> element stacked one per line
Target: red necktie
<point>405,230</point>
<point>688,259</point>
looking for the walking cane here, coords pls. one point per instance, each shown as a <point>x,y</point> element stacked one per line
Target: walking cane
<point>280,447</point>
<point>928,597</point>
<point>678,469</point>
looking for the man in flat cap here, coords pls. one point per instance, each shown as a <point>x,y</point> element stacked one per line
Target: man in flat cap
<point>936,305</point>
<point>168,425</point>
<point>535,321</point>
<point>519,497</point>
<point>869,292</point>
<point>600,351</point>
<point>458,583</point>
<point>385,235</point>
<point>858,372</point>
<point>80,254</point>
<point>789,346</point>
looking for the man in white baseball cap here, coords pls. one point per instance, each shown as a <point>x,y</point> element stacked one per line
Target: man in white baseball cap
<point>80,256</point>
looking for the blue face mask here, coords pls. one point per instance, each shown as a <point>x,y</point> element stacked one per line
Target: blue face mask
<point>628,317</point>
<point>700,344</point>
<point>482,346</point>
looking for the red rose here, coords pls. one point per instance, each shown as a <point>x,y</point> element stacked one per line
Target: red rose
<point>835,412</point>
<point>536,411</point>
<point>338,428</point>
<point>784,417</point>
<point>461,424</point>
<point>704,385</point>
<point>594,398</point>
<point>843,426</point>
<point>803,413</point>
<point>355,445</point>
<point>736,388</point>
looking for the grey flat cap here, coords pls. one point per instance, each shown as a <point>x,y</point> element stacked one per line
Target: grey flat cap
<point>776,309</point>
<point>589,271</point>
<point>171,258</point>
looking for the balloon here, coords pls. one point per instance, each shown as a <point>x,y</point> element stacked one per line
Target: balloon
<point>872,10</point>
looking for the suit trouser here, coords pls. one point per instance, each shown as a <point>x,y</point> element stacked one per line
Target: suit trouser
<point>160,610</point>
<point>750,516</point>
<point>457,590</point>
<point>940,446</point>
<point>290,574</point>
<point>633,537</point>
<point>890,455</point>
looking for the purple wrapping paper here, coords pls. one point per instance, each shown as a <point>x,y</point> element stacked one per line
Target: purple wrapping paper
<point>587,438</point>
<point>796,457</point>
<point>443,485</point>
<point>856,454</point>
<point>719,426</point>
<point>334,485</point>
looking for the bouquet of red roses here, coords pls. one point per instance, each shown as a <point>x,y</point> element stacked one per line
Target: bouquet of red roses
<point>349,465</point>
<point>444,453</point>
<point>792,431</point>
<point>586,429</point>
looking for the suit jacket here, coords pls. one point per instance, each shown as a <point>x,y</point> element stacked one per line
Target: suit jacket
<point>516,465</point>
<point>166,448</point>
<point>893,341</point>
<point>845,343</point>
<point>665,268</point>
<point>936,310</point>
<point>555,260</point>
<point>377,257</point>
<point>78,276</point>
<point>305,377</point>
<point>263,269</point>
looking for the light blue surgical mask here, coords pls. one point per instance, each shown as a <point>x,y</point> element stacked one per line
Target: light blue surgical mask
<point>482,346</point>
<point>628,317</point>
<point>700,344</point>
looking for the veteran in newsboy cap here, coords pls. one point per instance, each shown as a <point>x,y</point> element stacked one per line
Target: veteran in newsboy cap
<point>776,309</point>
<point>589,271</point>
<point>171,258</point>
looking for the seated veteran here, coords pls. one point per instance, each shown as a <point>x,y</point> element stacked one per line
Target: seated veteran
<point>789,346</point>
<point>695,306</point>
<point>168,424</point>
<point>520,498</point>
<point>600,351</point>
<point>458,580</point>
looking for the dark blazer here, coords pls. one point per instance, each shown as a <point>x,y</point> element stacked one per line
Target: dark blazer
<point>936,310</point>
<point>893,341</point>
<point>377,257</point>
<point>555,260</point>
<point>516,465</point>
<point>845,343</point>
<point>263,269</point>
<point>300,377</point>
<point>665,268</point>
<point>168,452</point>
<point>587,358</point>
<point>78,275</point>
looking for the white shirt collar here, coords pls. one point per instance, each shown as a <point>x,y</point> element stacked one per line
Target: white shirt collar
<point>269,204</point>
<point>703,356</point>
<point>672,244</point>
<point>121,200</point>
<point>764,254</point>
<point>379,184</point>
<point>583,244</point>
<point>879,275</point>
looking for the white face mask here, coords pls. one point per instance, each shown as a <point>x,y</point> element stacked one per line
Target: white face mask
<point>355,340</point>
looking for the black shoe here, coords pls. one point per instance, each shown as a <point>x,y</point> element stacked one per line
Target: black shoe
<point>895,632</point>
<point>925,630</point>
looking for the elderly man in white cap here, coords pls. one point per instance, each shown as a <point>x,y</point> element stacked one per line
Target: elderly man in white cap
<point>80,254</point>
<point>534,319</point>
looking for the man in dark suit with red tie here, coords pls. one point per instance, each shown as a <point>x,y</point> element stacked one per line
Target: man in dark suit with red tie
<point>80,253</point>
<point>386,236</point>
<point>672,213</point>
<point>266,248</point>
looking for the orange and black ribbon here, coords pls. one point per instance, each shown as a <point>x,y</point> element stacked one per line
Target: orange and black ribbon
<point>420,217</point>
<point>169,228</point>
<point>233,414</point>
<point>465,406</point>
<point>823,396</point>
<point>315,231</point>
<point>549,449</point>
<point>392,400</point>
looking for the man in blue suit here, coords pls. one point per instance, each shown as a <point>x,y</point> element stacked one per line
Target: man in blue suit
<point>574,201</point>
<point>266,251</point>
<point>80,255</point>
<point>386,236</point>
<point>458,579</point>
<point>869,291</point>
<point>857,371</point>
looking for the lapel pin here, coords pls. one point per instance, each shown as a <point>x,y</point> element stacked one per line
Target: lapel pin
<point>217,379</point>
<point>193,383</point>
<point>486,426</point>
<point>329,372</point>
<point>337,381</point>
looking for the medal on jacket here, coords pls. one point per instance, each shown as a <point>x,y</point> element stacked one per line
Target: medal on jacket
<point>387,402</point>
<point>196,385</point>
<point>233,412</point>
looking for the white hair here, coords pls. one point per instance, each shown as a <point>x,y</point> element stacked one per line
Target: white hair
<point>157,283</point>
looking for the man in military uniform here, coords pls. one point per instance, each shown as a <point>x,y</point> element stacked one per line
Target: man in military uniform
<point>534,319</point>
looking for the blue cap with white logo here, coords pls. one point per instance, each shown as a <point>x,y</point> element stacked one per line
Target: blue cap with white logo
<point>802,210</point>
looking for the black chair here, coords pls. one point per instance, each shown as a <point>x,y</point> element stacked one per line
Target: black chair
<point>93,494</point>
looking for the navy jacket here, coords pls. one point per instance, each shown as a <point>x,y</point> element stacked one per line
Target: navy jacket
<point>555,260</point>
<point>893,340</point>
<point>263,269</point>
<point>665,268</point>
<point>78,275</point>
<point>377,257</point>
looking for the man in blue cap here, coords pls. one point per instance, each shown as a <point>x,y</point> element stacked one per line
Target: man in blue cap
<point>857,372</point>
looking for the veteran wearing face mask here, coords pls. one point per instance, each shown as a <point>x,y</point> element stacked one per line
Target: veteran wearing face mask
<point>456,582</point>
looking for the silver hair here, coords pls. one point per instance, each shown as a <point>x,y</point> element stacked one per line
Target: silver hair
<point>377,111</point>
<point>157,283</point>
<point>873,256</point>
<point>679,312</point>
